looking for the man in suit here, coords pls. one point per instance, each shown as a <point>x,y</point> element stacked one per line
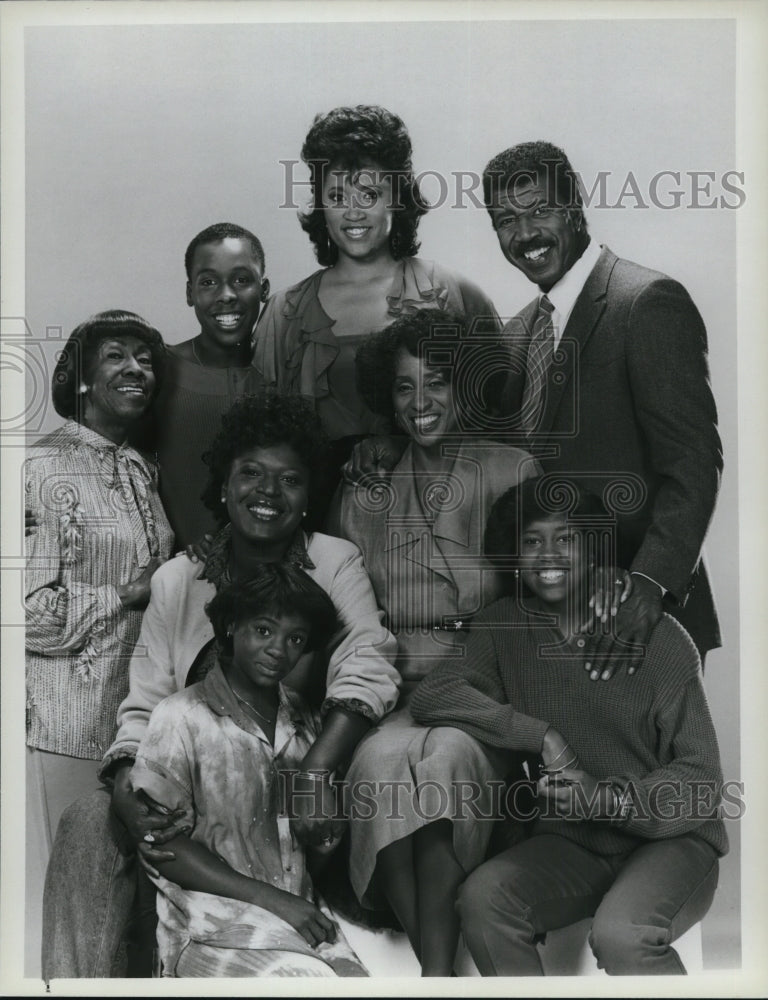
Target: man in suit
<point>610,382</point>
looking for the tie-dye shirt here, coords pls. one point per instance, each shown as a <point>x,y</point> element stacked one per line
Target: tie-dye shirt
<point>202,753</point>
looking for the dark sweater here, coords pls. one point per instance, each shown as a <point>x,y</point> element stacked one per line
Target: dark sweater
<point>188,416</point>
<point>652,732</point>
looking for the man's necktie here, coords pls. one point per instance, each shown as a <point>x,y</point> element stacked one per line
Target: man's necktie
<point>540,351</point>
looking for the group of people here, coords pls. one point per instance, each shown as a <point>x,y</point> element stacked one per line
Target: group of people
<point>411,540</point>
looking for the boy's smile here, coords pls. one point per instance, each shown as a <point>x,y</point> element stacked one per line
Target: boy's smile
<point>226,290</point>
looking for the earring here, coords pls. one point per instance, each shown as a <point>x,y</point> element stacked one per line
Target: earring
<point>517,574</point>
<point>394,244</point>
<point>303,513</point>
<point>223,499</point>
<point>83,389</point>
<point>229,634</point>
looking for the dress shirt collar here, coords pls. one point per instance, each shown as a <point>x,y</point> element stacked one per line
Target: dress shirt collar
<point>219,697</point>
<point>563,295</point>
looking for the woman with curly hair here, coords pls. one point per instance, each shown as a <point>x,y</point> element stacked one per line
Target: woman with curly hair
<point>420,532</point>
<point>100,535</point>
<point>363,220</point>
<point>264,469</point>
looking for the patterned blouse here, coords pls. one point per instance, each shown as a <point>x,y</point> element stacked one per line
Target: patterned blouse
<point>100,521</point>
<point>202,753</point>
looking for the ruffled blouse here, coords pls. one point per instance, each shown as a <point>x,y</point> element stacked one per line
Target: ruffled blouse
<point>297,351</point>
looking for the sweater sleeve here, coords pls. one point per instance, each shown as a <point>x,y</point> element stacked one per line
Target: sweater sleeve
<point>676,798</point>
<point>471,697</point>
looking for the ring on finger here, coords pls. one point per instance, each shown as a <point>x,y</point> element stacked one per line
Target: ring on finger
<point>149,838</point>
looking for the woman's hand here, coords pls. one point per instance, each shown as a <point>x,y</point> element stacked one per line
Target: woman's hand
<point>309,921</point>
<point>575,794</point>
<point>198,551</point>
<point>556,752</point>
<point>141,819</point>
<point>136,593</point>
<point>314,812</point>
<point>373,457</point>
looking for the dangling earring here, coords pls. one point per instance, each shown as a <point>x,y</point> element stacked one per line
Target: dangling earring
<point>517,574</point>
<point>223,499</point>
<point>303,513</point>
<point>229,634</point>
<point>83,389</point>
<point>394,244</point>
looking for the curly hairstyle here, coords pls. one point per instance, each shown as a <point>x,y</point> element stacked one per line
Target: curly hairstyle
<point>350,138</point>
<point>221,231</point>
<point>262,421</point>
<point>540,497</point>
<point>75,363</point>
<point>434,335</point>
<point>274,589</point>
<point>531,160</point>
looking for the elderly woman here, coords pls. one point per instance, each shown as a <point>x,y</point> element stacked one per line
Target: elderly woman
<point>101,534</point>
<point>264,467</point>
<point>365,211</point>
<point>420,533</point>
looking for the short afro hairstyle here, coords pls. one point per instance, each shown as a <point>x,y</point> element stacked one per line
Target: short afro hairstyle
<point>352,138</point>
<point>531,160</point>
<point>433,335</point>
<point>540,497</point>
<point>274,589</point>
<point>75,362</point>
<point>221,231</point>
<point>264,420</point>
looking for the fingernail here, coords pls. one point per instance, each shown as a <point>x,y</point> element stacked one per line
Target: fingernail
<point>631,671</point>
<point>587,666</point>
<point>594,675</point>
<point>606,675</point>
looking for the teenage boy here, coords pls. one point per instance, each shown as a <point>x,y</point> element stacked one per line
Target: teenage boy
<point>205,375</point>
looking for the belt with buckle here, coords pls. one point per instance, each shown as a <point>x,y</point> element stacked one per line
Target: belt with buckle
<point>453,624</point>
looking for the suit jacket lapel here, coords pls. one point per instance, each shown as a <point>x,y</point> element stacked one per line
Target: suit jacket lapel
<point>583,320</point>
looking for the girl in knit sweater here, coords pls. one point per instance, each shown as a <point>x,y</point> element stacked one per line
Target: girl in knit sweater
<point>626,826</point>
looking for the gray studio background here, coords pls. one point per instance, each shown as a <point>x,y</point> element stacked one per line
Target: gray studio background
<point>138,137</point>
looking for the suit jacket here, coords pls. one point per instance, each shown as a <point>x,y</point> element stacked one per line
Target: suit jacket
<point>629,411</point>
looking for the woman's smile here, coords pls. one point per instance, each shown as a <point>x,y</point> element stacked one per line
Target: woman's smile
<point>266,493</point>
<point>423,400</point>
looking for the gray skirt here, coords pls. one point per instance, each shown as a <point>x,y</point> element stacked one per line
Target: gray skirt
<point>404,776</point>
